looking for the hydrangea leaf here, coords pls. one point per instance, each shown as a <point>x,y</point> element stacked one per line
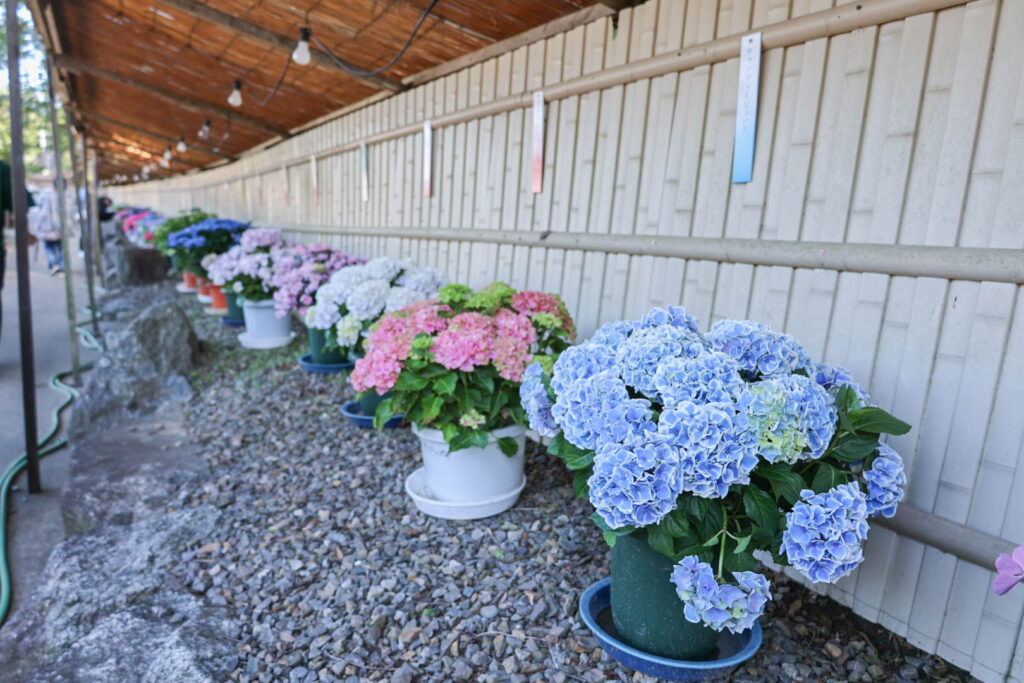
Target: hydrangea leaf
<point>431,408</point>
<point>445,384</point>
<point>508,445</point>
<point>877,421</point>
<point>579,483</point>
<point>410,382</point>
<point>828,477</point>
<point>784,481</point>
<point>761,508</point>
<point>853,447</point>
<point>660,540</point>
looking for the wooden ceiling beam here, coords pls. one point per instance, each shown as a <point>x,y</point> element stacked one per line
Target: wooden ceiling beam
<point>99,118</point>
<point>284,43</point>
<point>75,65</point>
<point>155,156</point>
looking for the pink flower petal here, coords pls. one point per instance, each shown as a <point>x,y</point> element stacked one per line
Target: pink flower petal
<point>1002,583</point>
<point>1018,557</point>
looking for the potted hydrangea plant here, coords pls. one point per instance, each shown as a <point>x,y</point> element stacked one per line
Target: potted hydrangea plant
<point>453,366</point>
<point>222,269</point>
<point>300,273</point>
<point>251,280</point>
<point>196,242</point>
<point>172,225</point>
<point>696,451</point>
<point>354,298</point>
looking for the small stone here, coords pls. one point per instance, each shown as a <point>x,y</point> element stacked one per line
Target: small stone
<point>461,670</point>
<point>833,650</point>
<point>488,611</point>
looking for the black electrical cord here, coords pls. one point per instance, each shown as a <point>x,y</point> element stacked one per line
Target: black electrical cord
<point>226,134</point>
<point>280,80</point>
<point>356,71</point>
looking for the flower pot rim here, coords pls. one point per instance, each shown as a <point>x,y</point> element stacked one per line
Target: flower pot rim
<point>605,639</point>
<point>416,486</point>
<point>436,435</point>
<point>262,303</point>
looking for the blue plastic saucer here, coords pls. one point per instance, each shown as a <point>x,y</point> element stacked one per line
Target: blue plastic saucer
<point>350,409</point>
<point>733,649</point>
<point>306,361</point>
<point>233,322</point>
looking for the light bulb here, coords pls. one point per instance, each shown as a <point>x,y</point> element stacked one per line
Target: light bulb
<point>167,154</point>
<point>300,55</point>
<point>204,132</point>
<point>182,147</point>
<point>235,98</point>
<point>164,163</point>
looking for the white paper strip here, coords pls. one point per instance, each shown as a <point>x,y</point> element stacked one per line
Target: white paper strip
<point>746,108</point>
<point>364,166</point>
<point>287,186</point>
<point>538,142</point>
<point>428,156</point>
<point>314,180</point>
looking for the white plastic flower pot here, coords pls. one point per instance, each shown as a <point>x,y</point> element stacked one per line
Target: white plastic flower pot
<point>472,474</point>
<point>262,326</point>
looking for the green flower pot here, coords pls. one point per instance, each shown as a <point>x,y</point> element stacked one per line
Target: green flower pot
<point>645,608</point>
<point>234,308</point>
<point>317,339</point>
<point>369,400</point>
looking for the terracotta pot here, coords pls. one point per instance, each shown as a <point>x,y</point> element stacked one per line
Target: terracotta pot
<point>204,286</point>
<point>190,279</point>
<point>219,299</point>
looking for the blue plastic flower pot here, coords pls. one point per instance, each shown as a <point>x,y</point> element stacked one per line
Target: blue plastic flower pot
<point>730,651</point>
<point>354,413</point>
<point>309,365</point>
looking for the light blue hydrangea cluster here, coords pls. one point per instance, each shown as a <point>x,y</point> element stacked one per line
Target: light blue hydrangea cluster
<point>614,333</point>
<point>717,446</point>
<point>635,482</point>
<point>367,300</point>
<point>400,297</point>
<point>719,606</point>
<point>675,316</point>
<point>832,377</point>
<point>599,409</point>
<point>577,363</point>
<point>426,279</point>
<point>707,378</point>
<point>885,479</point>
<point>322,317</point>
<point>638,357</point>
<point>825,533</point>
<point>794,418</point>
<point>383,268</point>
<point>757,348</point>
<point>533,396</point>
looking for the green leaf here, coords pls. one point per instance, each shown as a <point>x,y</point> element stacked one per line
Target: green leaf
<point>660,541</point>
<point>741,545</point>
<point>431,408</point>
<point>579,461</point>
<point>383,414</point>
<point>579,483</point>
<point>445,384</point>
<point>784,481</point>
<point>410,382</point>
<point>449,431</point>
<point>827,478</point>
<point>508,445</point>
<point>478,438</point>
<point>711,541</point>
<point>853,447</point>
<point>846,398</point>
<point>609,538</point>
<point>486,380</point>
<point>761,508</point>
<point>877,421</point>
<point>740,562</point>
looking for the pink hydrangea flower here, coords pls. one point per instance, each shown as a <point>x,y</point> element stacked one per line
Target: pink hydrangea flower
<point>299,273</point>
<point>531,303</point>
<point>466,343</point>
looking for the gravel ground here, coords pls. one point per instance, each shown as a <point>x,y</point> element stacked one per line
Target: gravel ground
<point>334,575</point>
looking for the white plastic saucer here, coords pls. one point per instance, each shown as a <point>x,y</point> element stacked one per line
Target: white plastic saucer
<point>204,298</point>
<point>186,290</point>
<point>423,497</point>
<point>210,310</point>
<point>272,343</point>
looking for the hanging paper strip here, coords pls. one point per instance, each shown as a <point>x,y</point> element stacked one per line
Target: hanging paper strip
<point>314,181</point>
<point>259,189</point>
<point>746,108</point>
<point>287,186</point>
<point>538,142</point>
<point>428,156</point>
<point>364,165</point>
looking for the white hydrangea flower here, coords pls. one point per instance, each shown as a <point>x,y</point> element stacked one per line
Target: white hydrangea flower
<point>426,280</point>
<point>347,279</point>
<point>383,268</point>
<point>366,301</point>
<point>323,316</point>
<point>348,330</point>
<point>400,297</point>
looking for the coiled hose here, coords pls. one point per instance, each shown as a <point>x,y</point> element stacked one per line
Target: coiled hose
<point>47,445</point>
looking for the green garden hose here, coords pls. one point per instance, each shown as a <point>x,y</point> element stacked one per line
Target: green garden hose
<point>47,445</point>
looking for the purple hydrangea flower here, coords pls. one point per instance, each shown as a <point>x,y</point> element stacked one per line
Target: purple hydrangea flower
<point>885,480</point>
<point>598,409</point>
<point>719,606</point>
<point>707,378</point>
<point>637,358</point>
<point>675,316</point>
<point>580,362</point>
<point>635,481</point>
<point>533,396</point>
<point>1009,571</point>
<point>757,348</point>
<point>825,532</point>
<point>832,377</point>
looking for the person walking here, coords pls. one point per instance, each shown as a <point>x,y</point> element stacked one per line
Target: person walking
<point>44,226</point>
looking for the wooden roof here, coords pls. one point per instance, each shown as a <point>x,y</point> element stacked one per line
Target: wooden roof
<point>139,74</point>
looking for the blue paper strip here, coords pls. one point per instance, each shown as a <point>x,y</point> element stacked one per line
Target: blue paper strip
<point>746,108</point>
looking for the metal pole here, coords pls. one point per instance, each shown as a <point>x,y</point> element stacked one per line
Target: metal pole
<point>58,171</point>
<point>87,243</point>
<point>94,217</point>
<point>20,205</point>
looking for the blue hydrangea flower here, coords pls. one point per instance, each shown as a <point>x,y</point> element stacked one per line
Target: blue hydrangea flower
<point>425,279</point>
<point>638,357</point>
<point>614,333</point>
<point>367,300</point>
<point>598,409</point>
<point>533,396</point>
<point>885,480</point>
<point>580,362</point>
<point>832,377</point>
<point>794,418</point>
<point>675,316</point>
<point>707,378</point>
<point>717,446</point>
<point>383,268</point>
<point>757,348</point>
<point>825,532</point>
<point>719,606</point>
<point>635,482</point>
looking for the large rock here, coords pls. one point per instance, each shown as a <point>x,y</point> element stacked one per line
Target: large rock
<point>128,265</point>
<point>145,366</point>
<point>129,470</point>
<point>107,608</point>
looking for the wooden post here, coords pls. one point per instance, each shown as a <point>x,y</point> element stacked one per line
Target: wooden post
<point>83,213</point>
<point>58,172</point>
<point>94,218</point>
